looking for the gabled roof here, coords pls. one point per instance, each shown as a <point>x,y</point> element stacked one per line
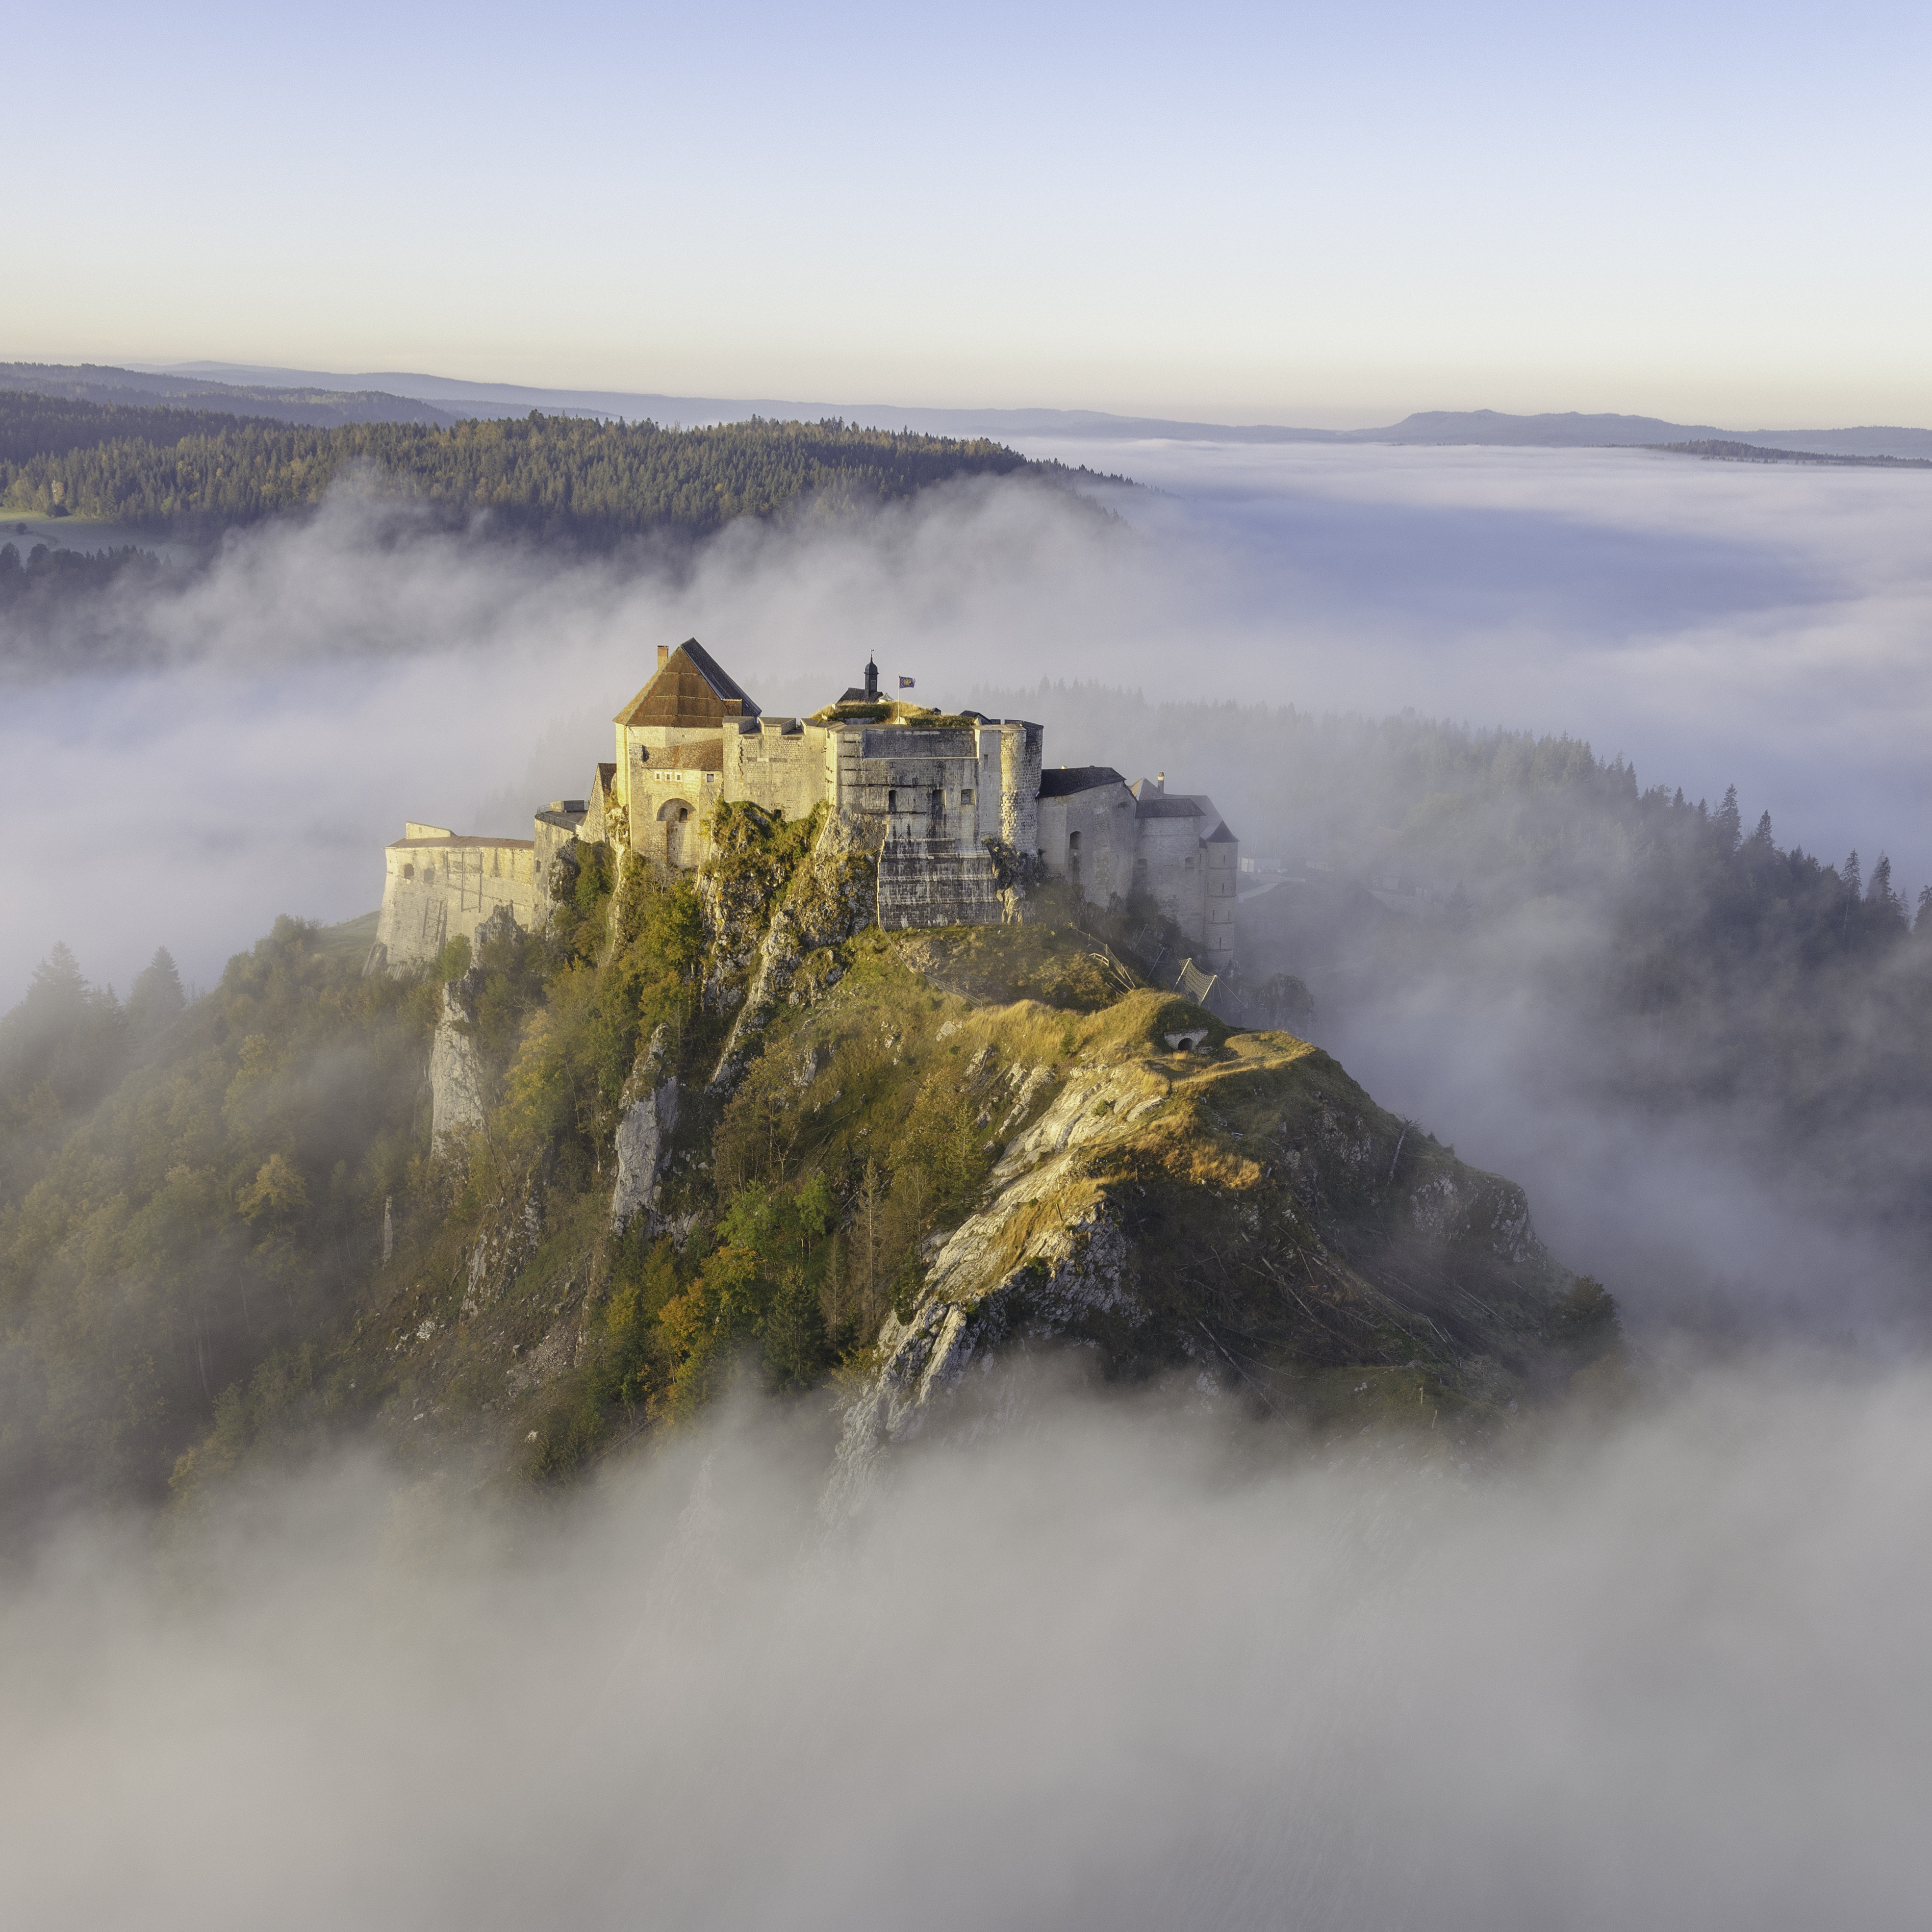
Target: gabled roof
<point>1064,781</point>
<point>690,688</point>
<point>1150,802</point>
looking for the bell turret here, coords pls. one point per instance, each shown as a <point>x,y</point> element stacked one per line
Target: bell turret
<point>871,680</point>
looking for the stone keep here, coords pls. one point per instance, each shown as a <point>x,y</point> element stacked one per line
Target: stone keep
<point>935,797</point>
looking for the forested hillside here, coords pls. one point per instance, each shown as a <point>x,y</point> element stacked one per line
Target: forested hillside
<point>225,1231</point>
<point>1661,954</point>
<point>552,475</point>
<point>32,424</point>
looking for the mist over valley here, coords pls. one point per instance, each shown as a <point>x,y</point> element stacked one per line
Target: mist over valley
<point>1351,1579</point>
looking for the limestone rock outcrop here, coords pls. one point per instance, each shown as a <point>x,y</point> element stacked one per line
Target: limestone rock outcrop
<point>455,1072</point>
<point>648,1115</point>
<point>1241,1213</point>
<point>457,1101</point>
<point>827,899</point>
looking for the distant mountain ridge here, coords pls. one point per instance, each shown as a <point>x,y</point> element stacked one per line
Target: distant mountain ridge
<point>323,398</point>
<point>318,405</point>
<point>1569,430</point>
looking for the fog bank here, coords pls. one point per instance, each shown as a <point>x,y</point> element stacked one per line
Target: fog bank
<point>1123,1665</point>
<point>1714,623</point>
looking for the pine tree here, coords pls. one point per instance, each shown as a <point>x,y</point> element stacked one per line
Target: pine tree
<point>1729,828</point>
<point>156,997</point>
<point>1886,908</point>
<point>65,1033</point>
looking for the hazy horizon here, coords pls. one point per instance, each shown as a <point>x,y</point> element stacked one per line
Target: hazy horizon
<point>1228,413</point>
<point>1288,214</point>
<point>1459,1465</point>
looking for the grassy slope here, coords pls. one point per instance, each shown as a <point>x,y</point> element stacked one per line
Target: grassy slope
<point>1287,1235</point>
<point>194,1269</point>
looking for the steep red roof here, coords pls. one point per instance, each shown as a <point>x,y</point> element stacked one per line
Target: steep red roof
<point>690,688</point>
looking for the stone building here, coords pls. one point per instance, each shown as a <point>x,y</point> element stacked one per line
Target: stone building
<point>950,803</point>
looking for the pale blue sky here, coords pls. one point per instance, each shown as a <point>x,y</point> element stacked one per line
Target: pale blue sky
<point>1320,214</point>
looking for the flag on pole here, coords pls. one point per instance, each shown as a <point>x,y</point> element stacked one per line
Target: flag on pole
<point>905,684</point>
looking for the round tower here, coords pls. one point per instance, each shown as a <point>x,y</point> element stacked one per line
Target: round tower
<point>1020,745</point>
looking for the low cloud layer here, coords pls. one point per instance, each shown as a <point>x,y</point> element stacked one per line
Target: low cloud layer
<point>1124,1665</point>
<point>1714,622</point>
<point>1129,1663</point>
<point>1717,623</point>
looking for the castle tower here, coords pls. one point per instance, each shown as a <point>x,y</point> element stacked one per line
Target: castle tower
<point>670,753</point>
<point>1021,744</point>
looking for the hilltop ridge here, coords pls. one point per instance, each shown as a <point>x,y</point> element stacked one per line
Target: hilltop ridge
<point>932,1150</point>
<point>1549,429</point>
<point>255,390</point>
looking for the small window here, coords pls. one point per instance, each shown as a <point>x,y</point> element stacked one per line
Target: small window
<point>892,801</point>
<point>965,794</point>
<point>683,813</point>
<point>1073,841</point>
<point>408,871</point>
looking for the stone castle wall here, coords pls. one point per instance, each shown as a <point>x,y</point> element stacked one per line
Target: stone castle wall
<point>1171,870</point>
<point>778,763</point>
<point>1020,746</point>
<point>928,799</point>
<point>437,884</point>
<point>1090,839</point>
<point>1223,861</point>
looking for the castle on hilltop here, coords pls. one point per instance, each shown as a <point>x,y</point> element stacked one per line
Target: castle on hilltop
<point>956,806</point>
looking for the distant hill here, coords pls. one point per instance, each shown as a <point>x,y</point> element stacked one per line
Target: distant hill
<point>1567,430</point>
<point>1718,449</point>
<point>1573,431</point>
<point>317,406</point>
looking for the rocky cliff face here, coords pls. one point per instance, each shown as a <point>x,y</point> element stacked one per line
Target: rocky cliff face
<point>1238,1209</point>
<point>457,1100</point>
<point>647,1117</point>
<point>877,1166</point>
<point>805,908</point>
